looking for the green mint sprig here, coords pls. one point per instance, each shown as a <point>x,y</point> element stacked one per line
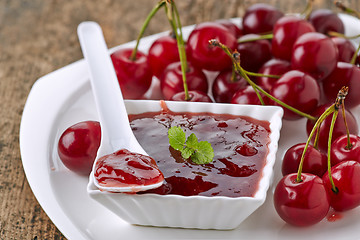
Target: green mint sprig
<point>200,152</point>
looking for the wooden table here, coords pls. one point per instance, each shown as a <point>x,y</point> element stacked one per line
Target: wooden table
<point>38,37</point>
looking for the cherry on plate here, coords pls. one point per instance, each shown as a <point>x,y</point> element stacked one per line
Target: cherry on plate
<point>345,175</point>
<point>272,67</point>
<point>315,162</point>
<point>247,96</point>
<point>341,152</point>
<point>78,146</point>
<point>346,49</point>
<point>325,20</point>
<point>302,203</point>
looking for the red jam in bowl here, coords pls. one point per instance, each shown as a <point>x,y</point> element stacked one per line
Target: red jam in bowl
<point>240,146</point>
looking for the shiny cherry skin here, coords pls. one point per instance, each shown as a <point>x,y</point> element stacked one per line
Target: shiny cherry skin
<point>346,175</point>
<point>302,203</point>
<point>247,96</point>
<point>272,67</point>
<point>315,54</point>
<point>339,127</point>
<point>253,54</point>
<point>286,31</point>
<point>125,169</point>
<point>346,49</point>
<point>78,145</point>
<point>171,81</point>
<point>344,74</point>
<point>325,20</point>
<point>298,90</point>
<point>340,151</point>
<point>315,162</point>
<point>205,56</point>
<point>260,18</point>
<point>134,76</point>
<point>162,53</point>
<point>195,96</point>
<point>224,87</point>
<point>232,27</point>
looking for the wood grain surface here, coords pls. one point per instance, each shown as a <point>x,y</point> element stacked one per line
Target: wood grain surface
<point>38,37</point>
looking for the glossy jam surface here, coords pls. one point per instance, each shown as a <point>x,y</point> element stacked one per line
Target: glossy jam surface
<point>239,143</point>
<point>125,169</point>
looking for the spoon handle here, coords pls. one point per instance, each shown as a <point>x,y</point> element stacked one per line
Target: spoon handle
<point>115,129</point>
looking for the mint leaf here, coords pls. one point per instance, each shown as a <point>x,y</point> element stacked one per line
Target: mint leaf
<point>199,152</point>
<point>177,138</point>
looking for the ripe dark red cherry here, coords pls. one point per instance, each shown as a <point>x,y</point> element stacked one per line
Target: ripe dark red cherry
<point>325,20</point>
<point>272,67</point>
<point>253,54</point>
<point>346,175</point>
<point>340,151</point>
<point>315,54</point>
<point>346,49</point>
<point>205,56</point>
<point>260,18</point>
<point>301,203</point>
<point>195,96</point>
<point>232,27</point>
<point>286,31</point>
<point>162,52</point>
<point>247,96</point>
<point>171,81</point>
<point>339,128</point>
<point>298,90</point>
<point>78,145</point>
<point>344,74</point>
<point>315,162</point>
<point>134,76</point>
<point>223,87</point>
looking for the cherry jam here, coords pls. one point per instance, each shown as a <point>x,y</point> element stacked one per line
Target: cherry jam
<point>240,146</point>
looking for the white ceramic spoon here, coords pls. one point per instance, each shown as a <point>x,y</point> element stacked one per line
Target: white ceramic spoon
<point>116,132</point>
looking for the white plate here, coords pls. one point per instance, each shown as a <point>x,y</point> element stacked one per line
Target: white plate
<point>64,97</point>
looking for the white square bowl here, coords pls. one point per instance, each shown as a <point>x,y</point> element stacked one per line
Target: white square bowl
<point>199,212</point>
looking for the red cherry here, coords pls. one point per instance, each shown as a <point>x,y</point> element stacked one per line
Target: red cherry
<point>246,96</point>
<point>162,52</point>
<point>260,18</point>
<point>232,27</point>
<point>346,49</point>
<point>223,87</point>
<point>134,76</point>
<point>78,145</point>
<point>315,162</point>
<point>346,175</point>
<point>301,203</point>
<point>205,56</point>
<point>325,20</point>
<point>344,74</point>
<point>272,67</point>
<point>195,96</point>
<point>315,54</point>
<point>298,90</point>
<point>171,81</point>
<point>340,151</point>
<point>339,127</point>
<point>253,54</point>
<point>286,31</point>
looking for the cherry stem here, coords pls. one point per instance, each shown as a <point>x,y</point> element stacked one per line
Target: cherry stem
<point>354,57</point>
<point>146,23</point>
<point>235,57</point>
<point>346,9</point>
<point>333,120</point>
<point>308,9</point>
<point>265,36</point>
<point>318,122</point>
<point>344,91</point>
<point>340,35</point>
<point>233,75</point>
<point>261,75</point>
<point>174,19</point>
